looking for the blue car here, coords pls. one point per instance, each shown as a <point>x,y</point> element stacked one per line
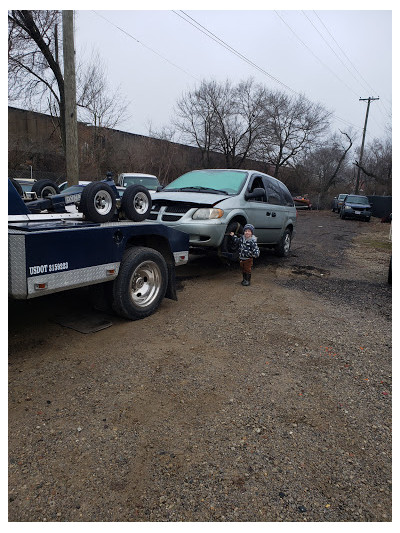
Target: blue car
<point>356,206</point>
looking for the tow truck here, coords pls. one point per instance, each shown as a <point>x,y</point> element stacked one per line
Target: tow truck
<point>130,263</point>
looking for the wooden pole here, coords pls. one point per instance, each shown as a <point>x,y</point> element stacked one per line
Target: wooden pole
<point>71,127</point>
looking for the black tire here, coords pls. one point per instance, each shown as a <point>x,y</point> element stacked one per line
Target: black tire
<point>98,202</point>
<point>136,203</point>
<point>282,249</point>
<point>17,186</point>
<point>141,283</point>
<point>229,249</point>
<point>44,188</point>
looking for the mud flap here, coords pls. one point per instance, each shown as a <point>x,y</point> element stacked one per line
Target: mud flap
<point>171,288</point>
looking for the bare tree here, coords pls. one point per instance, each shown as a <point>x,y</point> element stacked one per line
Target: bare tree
<point>326,165</point>
<point>240,127</point>
<point>35,74</point>
<point>292,126</point>
<point>377,166</point>
<point>196,118</point>
<point>34,68</point>
<point>224,118</point>
<point>99,106</point>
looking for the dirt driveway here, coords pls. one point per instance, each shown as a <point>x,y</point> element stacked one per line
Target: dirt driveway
<point>264,403</point>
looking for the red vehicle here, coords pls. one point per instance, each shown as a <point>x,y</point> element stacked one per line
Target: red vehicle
<point>302,202</point>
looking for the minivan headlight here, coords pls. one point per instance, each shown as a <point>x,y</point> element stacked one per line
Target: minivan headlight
<point>207,213</point>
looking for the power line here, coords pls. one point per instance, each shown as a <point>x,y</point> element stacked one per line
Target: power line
<point>145,45</point>
<point>348,59</point>
<point>325,41</point>
<point>219,41</point>
<point>316,57</point>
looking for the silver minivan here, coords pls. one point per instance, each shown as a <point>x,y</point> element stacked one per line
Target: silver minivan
<point>209,204</point>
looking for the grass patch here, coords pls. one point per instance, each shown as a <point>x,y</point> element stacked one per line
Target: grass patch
<point>376,243</point>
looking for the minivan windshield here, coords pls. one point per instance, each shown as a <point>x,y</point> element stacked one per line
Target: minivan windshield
<point>352,199</point>
<point>209,181</point>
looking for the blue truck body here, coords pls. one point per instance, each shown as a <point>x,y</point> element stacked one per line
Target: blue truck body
<point>54,252</point>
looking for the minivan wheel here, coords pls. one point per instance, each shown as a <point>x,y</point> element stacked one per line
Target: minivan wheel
<point>282,249</point>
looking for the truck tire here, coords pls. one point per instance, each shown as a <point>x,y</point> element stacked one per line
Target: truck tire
<point>282,249</point>
<point>228,249</point>
<point>136,203</point>
<point>141,283</point>
<point>98,202</point>
<point>17,186</point>
<point>44,188</point>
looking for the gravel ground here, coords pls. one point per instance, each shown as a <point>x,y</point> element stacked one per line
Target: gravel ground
<point>268,403</point>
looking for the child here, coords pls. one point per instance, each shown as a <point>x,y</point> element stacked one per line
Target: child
<point>248,249</point>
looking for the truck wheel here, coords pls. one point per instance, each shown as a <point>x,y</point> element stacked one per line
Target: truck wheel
<point>141,283</point>
<point>44,188</point>
<point>228,249</point>
<point>98,202</point>
<point>282,249</point>
<point>17,186</point>
<point>136,203</point>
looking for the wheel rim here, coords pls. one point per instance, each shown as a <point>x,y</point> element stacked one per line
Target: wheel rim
<point>286,243</point>
<point>47,191</point>
<point>145,283</point>
<point>103,202</point>
<point>141,203</point>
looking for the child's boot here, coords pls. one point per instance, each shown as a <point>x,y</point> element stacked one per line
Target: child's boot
<point>246,280</point>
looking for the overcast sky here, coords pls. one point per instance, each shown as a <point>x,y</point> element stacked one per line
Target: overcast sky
<point>333,57</point>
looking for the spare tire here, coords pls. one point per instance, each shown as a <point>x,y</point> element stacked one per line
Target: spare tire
<point>44,188</point>
<point>136,203</point>
<point>98,202</point>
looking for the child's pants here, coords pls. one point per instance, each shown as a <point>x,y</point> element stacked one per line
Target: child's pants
<point>246,265</point>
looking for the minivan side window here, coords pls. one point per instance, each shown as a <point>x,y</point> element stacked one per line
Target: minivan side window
<point>286,194</point>
<point>257,183</point>
<point>274,193</point>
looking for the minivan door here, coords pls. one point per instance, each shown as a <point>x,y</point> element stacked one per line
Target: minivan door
<point>277,212</point>
<point>257,210</point>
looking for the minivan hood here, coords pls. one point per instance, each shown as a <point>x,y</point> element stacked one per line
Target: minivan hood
<point>195,198</point>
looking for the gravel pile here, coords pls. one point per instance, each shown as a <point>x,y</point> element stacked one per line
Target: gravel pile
<point>270,403</point>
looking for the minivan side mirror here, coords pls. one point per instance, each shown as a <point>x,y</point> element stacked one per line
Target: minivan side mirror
<point>259,192</point>
<point>159,188</point>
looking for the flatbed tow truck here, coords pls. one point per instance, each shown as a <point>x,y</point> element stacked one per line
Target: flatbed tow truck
<point>130,264</point>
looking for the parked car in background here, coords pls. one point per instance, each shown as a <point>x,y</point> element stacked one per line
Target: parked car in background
<point>209,204</point>
<point>338,202</point>
<point>147,180</point>
<point>356,206</point>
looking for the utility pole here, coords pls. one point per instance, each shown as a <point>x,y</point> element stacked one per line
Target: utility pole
<point>369,100</point>
<point>71,127</point>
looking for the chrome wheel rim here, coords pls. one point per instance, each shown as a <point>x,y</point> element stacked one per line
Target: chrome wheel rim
<point>103,202</point>
<point>48,191</point>
<point>145,283</point>
<point>141,203</point>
